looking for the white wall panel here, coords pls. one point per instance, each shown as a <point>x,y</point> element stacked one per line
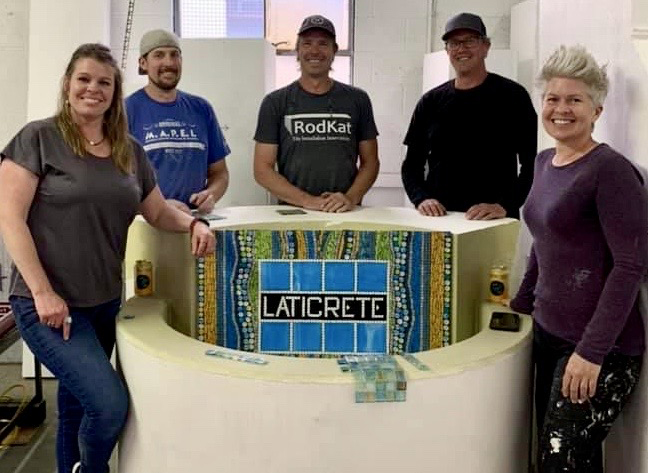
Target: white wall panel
<point>14,47</point>
<point>213,69</point>
<point>51,45</point>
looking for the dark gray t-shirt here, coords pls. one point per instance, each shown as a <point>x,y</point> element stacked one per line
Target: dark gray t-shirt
<point>80,214</point>
<point>318,135</point>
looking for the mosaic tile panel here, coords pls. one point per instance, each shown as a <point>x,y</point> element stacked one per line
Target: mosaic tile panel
<point>323,307</point>
<point>326,293</point>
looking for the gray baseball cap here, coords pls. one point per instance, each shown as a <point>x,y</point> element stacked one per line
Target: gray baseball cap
<point>158,39</point>
<point>464,21</point>
<point>319,22</point>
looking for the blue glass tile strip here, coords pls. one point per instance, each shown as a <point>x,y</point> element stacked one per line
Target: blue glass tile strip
<point>366,249</point>
<point>227,333</point>
<point>243,288</point>
<point>404,280</point>
<point>418,320</point>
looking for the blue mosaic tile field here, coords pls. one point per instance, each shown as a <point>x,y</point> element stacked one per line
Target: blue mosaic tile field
<point>318,280</point>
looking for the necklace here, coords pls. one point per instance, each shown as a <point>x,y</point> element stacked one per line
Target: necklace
<point>95,143</point>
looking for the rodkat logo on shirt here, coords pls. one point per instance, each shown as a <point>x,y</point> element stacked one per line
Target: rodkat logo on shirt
<point>319,126</point>
<point>170,135</point>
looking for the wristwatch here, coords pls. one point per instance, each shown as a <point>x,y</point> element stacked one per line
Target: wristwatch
<point>195,221</point>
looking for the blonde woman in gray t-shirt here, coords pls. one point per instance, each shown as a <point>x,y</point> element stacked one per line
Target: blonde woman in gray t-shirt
<point>70,186</point>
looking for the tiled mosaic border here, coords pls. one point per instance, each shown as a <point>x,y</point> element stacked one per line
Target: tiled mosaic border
<point>447,288</point>
<point>230,290</point>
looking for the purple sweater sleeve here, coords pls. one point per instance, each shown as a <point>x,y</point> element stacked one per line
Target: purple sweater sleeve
<point>622,208</point>
<point>523,300</point>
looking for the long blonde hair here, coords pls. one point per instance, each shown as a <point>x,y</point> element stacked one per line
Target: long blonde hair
<point>115,125</point>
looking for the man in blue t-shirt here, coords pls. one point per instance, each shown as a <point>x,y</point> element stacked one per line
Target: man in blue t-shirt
<point>179,131</point>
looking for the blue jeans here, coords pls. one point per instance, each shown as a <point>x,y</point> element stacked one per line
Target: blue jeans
<point>92,400</point>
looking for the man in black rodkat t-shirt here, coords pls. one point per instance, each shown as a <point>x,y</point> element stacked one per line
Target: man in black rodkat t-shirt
<point>316,131</point>
<point>471,131</point>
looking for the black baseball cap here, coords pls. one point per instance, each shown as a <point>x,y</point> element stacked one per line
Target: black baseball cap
<point>464,21</point>
<point>319,22</point>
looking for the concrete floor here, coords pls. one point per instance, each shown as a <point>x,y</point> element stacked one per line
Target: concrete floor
<point>39,455</point>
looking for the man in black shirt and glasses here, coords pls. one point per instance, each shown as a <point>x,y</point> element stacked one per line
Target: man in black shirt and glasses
<point>471,132</point>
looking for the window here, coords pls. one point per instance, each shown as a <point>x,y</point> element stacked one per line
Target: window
<point>220,18</point>
<point>276,20</point>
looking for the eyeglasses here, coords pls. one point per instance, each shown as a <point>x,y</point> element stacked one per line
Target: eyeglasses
<point>455,44</point>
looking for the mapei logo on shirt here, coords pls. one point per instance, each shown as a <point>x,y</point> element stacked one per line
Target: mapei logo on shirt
<point>181,133</point>
<point>171,135</point>
<point>319,126</point>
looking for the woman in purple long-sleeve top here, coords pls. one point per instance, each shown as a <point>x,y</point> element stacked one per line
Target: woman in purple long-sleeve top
<point>588,214</point>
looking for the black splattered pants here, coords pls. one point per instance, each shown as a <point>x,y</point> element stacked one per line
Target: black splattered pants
<point>571,435</point>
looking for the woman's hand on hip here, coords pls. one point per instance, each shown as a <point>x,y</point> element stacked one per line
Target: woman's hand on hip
<point>53,311</point>
<point>580,378</point>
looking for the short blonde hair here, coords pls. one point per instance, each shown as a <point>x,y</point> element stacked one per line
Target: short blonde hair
<point>574,62</point>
